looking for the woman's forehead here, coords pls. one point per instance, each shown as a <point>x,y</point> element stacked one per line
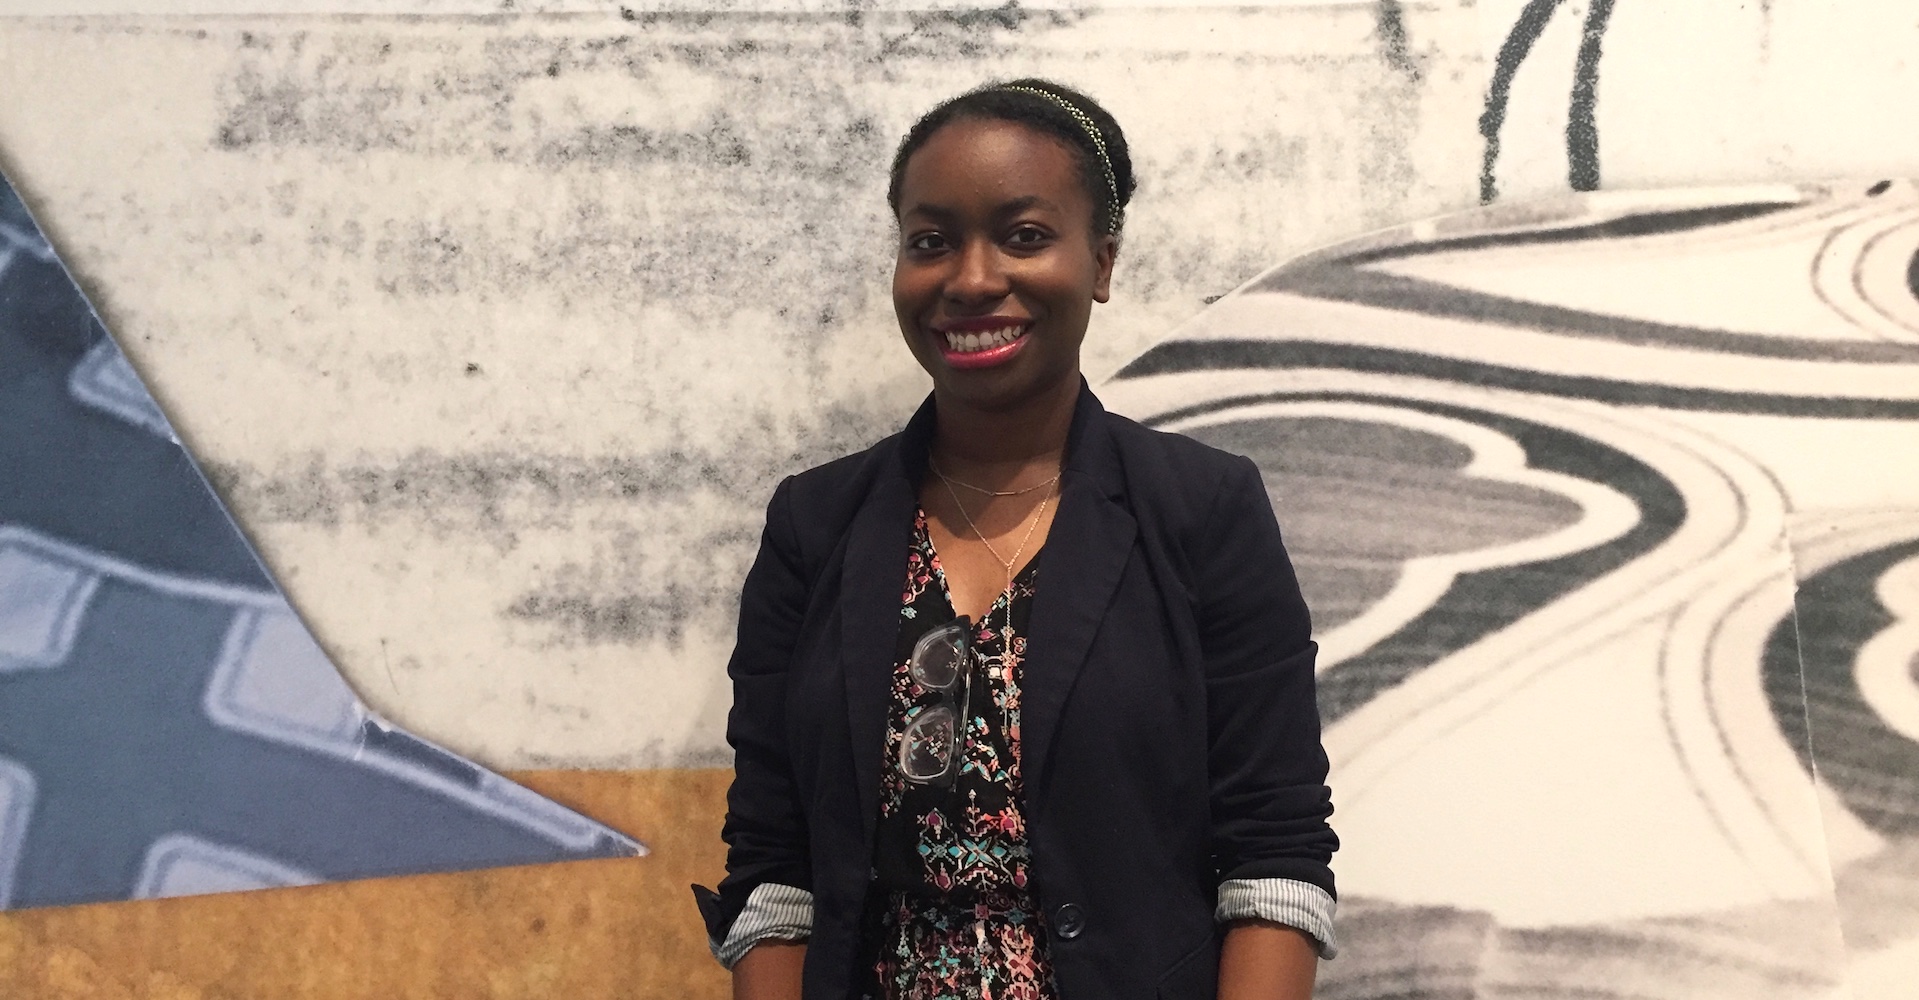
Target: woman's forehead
<point>988,158</point>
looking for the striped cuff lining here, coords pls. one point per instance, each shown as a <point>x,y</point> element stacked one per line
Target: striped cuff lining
<point>1296,904</point>
<point>775,911</point>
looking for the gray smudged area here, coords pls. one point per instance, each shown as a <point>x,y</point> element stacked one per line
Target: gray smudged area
<point>497,333</point>
<point>627,591</point>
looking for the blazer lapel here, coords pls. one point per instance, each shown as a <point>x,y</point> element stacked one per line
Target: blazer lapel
<point>1079,569</point>
<point>872,579</point>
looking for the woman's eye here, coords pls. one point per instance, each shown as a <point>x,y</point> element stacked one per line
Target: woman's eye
<point>1028,235</point>
<point>926,242</point>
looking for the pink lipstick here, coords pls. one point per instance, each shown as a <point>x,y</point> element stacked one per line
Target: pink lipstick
<point>980,343</point>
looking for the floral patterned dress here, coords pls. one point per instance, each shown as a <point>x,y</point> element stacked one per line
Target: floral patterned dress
<point>956,919</point>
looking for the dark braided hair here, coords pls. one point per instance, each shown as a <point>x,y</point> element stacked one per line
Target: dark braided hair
<point>1056,110</point>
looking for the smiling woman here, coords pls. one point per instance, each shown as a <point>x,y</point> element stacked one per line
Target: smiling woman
<point>1023,695</point>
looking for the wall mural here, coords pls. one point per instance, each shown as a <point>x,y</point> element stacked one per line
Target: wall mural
<point>493,332</point>
<point>1537,464</point>
<point>168,726</point>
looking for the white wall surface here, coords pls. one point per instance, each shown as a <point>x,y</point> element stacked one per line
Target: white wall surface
<point>497,330</point>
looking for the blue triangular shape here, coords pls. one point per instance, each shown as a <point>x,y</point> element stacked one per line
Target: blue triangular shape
<point>167,725</point>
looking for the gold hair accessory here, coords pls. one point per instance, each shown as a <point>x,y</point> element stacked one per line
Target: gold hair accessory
<point>1092,132</point>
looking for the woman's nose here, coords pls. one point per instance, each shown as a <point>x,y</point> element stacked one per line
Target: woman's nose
<point>979,274</point>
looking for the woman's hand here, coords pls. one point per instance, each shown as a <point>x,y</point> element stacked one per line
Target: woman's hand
<point>771,969</point>
<point>1263,960</point>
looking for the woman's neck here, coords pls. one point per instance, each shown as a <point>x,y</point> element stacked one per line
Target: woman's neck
<point>999,444</point>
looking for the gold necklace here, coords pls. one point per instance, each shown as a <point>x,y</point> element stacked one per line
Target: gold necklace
<point>951,482</point>
<point>1005,564</point>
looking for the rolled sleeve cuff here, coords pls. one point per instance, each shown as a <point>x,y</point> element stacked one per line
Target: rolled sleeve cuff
<point>1300,905</point>
<point>773,911</point>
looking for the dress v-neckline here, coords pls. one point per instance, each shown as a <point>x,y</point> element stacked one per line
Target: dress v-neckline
<point>946,593</point>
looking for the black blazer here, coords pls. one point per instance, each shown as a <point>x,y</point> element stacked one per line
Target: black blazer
<point>1171,739</point>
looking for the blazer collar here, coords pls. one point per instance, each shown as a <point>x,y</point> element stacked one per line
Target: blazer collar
<point>1079,568</point>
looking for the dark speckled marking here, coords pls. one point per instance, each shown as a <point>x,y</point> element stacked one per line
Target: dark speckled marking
<point>769,195</point>
<point>1582,128</point>
<point>1391,31</point>
<point>756,215</point>
<point>623,594</point>
<point>1388,119</point>
<point>1526,30</point>
<point>466,491</point>
<point>298,494</point>
<point>739,234</point>
<point>616,617</point>
<point>717,144</point>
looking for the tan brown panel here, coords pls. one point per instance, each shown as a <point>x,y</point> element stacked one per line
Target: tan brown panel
<point>622,928</point>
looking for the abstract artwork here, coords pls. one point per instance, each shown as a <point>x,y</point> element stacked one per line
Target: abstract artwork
<point>168,726</point>
<point>1540,465</point>
<point>495,324</point>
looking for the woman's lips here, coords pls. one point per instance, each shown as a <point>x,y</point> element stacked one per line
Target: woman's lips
<point>966,349</point>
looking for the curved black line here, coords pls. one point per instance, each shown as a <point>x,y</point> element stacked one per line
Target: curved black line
<point>1858,276</point>
<point>1818,264</point>
<point>1400,293</point>
<point>1815,699</point>
<point>1912,276</point>
<point>1227,355</point>
<point>1717,724</point>
<point>1582,128</point>
<point>1520,223</point>
<point>1657,222</point>
<point>1482,602</point>
<point>1341,277</point>
<point>1512,52</point>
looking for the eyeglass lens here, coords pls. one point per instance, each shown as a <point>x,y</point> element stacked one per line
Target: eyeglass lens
<point>929,748</point>
<point>938,657</point>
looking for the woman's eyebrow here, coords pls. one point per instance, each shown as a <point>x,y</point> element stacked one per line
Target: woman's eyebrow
<point>936,214</point>
<point>927,208</point>
<point>1018,205</point>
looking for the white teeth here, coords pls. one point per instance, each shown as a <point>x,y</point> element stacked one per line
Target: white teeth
<point>967,343</point>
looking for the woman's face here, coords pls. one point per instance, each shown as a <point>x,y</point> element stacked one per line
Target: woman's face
<point>998,266</point>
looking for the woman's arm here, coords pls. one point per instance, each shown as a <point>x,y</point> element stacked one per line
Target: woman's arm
<point>1262,960</point>
<point>1271,844</point>
<point>1265,762</point>
<point>771,971</point>
<point>768,874</point>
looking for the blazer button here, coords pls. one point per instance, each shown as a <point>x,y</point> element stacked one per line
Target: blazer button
<point>1069,921</point>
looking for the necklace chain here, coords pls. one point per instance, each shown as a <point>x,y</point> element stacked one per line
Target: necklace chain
<point>951,482</point>
<point>1038,513</point>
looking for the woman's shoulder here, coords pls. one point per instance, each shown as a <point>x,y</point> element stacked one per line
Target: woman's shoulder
<point>856,467</point>
<point>1171,467</point>
<point>1203,504</point>
<point>833,490</point>
<point>1173,447</point>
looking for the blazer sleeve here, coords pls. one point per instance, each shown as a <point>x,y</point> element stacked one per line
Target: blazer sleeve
<point>1265,763</point>
<point>765,829</point>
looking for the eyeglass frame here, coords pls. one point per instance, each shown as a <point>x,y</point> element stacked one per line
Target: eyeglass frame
<point>955,699</point>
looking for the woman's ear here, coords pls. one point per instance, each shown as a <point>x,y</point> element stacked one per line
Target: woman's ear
<point>1105,250</point>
